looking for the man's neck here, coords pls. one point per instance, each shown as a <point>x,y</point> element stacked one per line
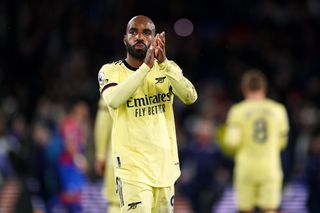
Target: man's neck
<point>134,62</point>
<point>256,95</point>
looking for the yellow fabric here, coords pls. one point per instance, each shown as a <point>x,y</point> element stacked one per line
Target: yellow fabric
<point>143,135</point>
<point>102,130</point>
<point>113,208</point>
<point>142,198</point>
<point>120,94</point>
<point>228,150</point>
<point>109,189</point>
<point>102,136</point>
<point>182,87</point>
<point>257,131</point>
<point>265,195</point>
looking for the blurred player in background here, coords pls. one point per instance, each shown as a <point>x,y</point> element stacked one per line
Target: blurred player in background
<point>139,92</point>
<point>257,130</point>
<point>104,167</point>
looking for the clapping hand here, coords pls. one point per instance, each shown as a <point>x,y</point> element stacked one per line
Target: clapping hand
<point>160,50</point>
<point>156,50</point>
<point>150,56</point>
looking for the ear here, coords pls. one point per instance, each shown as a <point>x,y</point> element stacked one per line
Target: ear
<point>244,90</point>
<point>124,39</point>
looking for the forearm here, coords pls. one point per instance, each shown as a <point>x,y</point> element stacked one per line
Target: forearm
<point>119,94</point>
<point>182,87</point>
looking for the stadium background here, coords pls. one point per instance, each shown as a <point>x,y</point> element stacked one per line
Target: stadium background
<point>51,52</point>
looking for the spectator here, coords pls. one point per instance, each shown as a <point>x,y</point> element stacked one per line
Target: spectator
<point>73,164</point>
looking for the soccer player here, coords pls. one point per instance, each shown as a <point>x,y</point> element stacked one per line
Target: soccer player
<point>257,129</point>
<point>104,167</point>
<point>139,92</point>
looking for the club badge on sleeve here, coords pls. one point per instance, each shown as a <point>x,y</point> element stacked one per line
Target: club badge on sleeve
<point>101,78</point>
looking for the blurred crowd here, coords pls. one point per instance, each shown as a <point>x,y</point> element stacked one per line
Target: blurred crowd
<point>51,52</point>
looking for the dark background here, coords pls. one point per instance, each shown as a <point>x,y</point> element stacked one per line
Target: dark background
<point>53,50</point>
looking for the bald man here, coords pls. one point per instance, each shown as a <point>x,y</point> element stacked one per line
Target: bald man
<point>139,93</point>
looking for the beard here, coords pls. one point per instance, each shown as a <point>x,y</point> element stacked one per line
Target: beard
<point>138,54</point>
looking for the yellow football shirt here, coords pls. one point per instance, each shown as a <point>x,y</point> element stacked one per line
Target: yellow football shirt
<point>257,130</point>
<point>143,135</point>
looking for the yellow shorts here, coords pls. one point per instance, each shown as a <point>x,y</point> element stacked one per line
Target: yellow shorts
<point>136,197</point>
<point>113,208</point>
<point>110,191</point>
<point>263,194</point>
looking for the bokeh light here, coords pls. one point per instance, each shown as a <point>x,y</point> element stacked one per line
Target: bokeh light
<point>183,27</point>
